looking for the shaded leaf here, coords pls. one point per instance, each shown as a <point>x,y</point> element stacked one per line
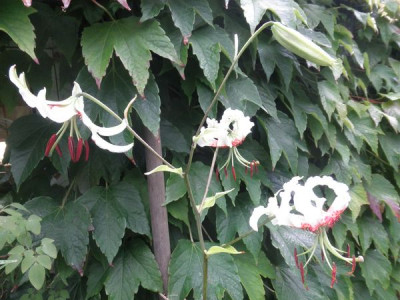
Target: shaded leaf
<point>134,265</point>
<point>132,42</point>
<point>15,22</point>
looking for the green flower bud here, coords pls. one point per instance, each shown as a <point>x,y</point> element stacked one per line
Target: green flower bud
<point>302,46</point>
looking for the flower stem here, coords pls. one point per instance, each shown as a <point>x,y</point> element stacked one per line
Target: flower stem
<point>193,148</point>
<point>133,132</point>
<point>210,174</point>
<point>103,8</point>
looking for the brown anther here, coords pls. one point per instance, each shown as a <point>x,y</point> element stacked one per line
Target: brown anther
<point>233,173</point>
<point>353,266</point>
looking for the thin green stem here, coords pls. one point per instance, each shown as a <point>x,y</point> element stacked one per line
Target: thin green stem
<point>64,200</point>
<point>205,275</point>
<point>210,174</point>
<point>241,237</point>
<point>133,132</point>
<point>103,8</point>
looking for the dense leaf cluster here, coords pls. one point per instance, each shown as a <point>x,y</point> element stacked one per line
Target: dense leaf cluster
<point>174,55</point>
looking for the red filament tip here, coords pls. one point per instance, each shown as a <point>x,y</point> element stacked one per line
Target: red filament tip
<point>233,173</point>
<point>333,275</point>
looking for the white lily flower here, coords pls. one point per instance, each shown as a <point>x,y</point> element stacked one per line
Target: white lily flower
<point>308,213</point>
<point>230,132</point>
<point>66,112</point>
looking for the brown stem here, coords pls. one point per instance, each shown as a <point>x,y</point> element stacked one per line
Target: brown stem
<point>158,212</point>
<point>359,98</point>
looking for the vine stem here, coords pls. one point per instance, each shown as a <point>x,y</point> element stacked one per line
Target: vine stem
<point>210,174</point>
<point>130,129</point>
<point>103,8</point>
<point>193,147</point>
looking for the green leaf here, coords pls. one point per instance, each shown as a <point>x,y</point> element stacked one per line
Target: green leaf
<point>179,210</point>
<point>49,248</point>
<point>390,144</point>
<point>68,227</point>
<point>224,249</point>
<point>253,12</point>
<point>175,188</point>
<point>237,222</point>
<point>288,11</point>
<point>183,14</point>
<point>97,275</point>
<point>358,198</point>
<point>44,261</point>
<point>272,55</point>
<point>207,43</point>
<point>288,285</point>
<point>165,168</point>
<point>286,239</point>
<point>112,210</point>
<point>383,190</point>
<point>210,201</point>
<point>15,22</point>
<point>282,138</point>
<point>36,276</point>
<point>186,268</point>
<point>33,224</point>
<point>376,270</point>
<point>130,204</point>
<point>27,262</point>
<point>151,8</point>
<point>242,94</point>
<point>330,96</point>
<point>109,224</point>
<point>27,142</point>
<point>132,42</point>
<point>134,265</point>
<point>250,274</point>
<point>372,230</point>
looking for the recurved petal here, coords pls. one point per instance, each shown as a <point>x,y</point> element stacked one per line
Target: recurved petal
<point>258,212</point>
<point>103,144</point>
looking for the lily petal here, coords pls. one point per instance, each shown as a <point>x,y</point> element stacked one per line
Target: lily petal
<point>103,144</point>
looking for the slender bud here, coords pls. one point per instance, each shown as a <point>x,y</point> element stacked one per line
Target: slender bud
<point>50,144</point>
<point>79,149</point>
<point>333,275</point>
<point>71,147</point>
<point>301,45</point>
<point>86,150</point>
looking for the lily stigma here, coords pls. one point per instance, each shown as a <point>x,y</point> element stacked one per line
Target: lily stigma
<point>229,132</point>
<point>68,112</point>
<point>308,213</point>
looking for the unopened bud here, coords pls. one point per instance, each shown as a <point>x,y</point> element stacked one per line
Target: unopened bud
<point>302,46</point>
